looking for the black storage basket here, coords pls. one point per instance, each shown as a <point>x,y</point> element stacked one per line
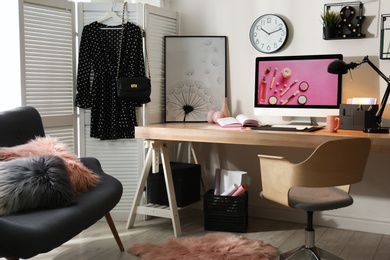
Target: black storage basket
<point>186,182</point>
<point>225,213</point>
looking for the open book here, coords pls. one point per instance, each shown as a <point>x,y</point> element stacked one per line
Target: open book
<point>240,120</point>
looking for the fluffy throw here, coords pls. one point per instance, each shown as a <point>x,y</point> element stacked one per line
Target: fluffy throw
<point>81,178</point>
<point>215,246</point>
<point>34,182</point>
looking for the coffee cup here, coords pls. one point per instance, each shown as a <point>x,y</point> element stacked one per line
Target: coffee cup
<point>332,123</point>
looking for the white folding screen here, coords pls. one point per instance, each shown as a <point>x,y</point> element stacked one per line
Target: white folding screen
<point>49,62</point>
<point>158,23</point>
<point>49,49</point>
<point>124,158</point>
<point>47,32</point>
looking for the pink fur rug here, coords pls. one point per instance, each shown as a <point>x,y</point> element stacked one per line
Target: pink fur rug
<point>216,246</point>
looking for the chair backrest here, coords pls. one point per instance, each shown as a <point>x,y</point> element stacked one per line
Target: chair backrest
<point>19,125</point>
<point>334,163</point>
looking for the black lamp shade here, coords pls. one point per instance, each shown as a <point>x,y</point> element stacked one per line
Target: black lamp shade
<point>338,67</point>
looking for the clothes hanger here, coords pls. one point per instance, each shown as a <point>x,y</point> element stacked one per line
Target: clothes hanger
<point>111,15</point>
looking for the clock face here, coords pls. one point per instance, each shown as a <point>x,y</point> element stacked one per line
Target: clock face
<point>268,33</point>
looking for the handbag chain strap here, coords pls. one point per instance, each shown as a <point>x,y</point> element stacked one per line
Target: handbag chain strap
<point>121,43</point>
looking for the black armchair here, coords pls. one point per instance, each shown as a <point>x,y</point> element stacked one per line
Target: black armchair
<point>26,234</point>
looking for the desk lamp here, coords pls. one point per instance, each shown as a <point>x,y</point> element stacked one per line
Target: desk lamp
<point>340,67</point>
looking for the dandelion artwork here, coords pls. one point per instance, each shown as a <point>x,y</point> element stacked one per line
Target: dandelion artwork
<point>195,77</point>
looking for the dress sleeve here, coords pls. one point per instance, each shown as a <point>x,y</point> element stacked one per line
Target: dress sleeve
<point>83,95</point>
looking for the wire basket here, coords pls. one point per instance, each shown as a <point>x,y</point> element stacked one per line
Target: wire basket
<point>225,213</point>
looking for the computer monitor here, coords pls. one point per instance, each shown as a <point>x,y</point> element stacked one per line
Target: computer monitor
<point>296,88</point>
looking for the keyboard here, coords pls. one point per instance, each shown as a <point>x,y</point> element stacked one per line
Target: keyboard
<point>297,127</point>
<point>303,128</point>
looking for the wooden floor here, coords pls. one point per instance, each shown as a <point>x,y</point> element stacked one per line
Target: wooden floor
<point>97,242</point>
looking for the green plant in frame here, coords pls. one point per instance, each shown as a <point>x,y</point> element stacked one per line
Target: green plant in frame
<point>330,18</point>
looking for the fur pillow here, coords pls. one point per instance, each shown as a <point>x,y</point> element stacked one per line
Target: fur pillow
<point>81,178</point>
<point>34,182</point>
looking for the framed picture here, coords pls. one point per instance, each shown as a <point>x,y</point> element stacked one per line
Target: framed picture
<point>195,77</point>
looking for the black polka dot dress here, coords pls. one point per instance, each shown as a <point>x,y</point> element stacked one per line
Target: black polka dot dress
<point>111,117</point>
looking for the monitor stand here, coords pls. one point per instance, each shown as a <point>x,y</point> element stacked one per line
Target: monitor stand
<point>304,121</point>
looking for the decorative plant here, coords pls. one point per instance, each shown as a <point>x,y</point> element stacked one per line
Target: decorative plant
<point>330,18</point>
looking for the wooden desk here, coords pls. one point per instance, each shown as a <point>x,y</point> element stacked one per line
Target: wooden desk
<point>201,132</point>
<point>158,136</point>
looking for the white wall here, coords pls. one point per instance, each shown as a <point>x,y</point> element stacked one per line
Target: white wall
<point>233,18</point>
<point>10,94</point>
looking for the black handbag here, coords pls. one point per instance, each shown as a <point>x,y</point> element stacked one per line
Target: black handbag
<point>136,89</point>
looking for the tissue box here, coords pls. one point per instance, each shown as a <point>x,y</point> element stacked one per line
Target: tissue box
<point>186,182</point>
<point>225,213</point>
<point>357,117</point>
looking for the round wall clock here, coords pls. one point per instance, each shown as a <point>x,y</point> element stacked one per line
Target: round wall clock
<point>268,33</point>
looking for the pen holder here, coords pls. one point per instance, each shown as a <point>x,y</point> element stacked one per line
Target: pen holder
<point>357,117</point>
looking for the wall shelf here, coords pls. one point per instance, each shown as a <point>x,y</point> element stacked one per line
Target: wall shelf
<point>351,20</point>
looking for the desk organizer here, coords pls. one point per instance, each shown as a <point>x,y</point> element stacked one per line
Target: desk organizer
<point>225,213</point>
<point>357,117</point>
<point>186,182</point>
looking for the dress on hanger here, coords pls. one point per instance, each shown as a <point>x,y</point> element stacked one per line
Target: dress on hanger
<point>111,117</point>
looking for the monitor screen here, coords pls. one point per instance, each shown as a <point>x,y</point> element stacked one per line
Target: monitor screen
<point>297,86</point>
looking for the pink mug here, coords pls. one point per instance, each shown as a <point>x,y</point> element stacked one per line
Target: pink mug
<point>332,123</point>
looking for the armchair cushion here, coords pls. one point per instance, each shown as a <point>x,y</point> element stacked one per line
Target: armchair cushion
<point>33,183</point>
<point>26,234</point>
<point>37,231</point>
<point>81,178</point>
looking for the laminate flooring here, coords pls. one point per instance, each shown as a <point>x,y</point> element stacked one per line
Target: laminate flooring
<point>98,243</point>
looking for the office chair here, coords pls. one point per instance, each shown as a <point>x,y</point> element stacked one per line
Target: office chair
<point>321,182</point>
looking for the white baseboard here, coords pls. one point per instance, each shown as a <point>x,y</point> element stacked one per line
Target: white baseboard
<point>332,218</point>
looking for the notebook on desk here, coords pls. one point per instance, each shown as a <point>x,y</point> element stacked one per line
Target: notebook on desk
<point>291,128</point>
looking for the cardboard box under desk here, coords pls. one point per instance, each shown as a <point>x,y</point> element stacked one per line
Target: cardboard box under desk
<point>186,182</point>
<point>357,117</point>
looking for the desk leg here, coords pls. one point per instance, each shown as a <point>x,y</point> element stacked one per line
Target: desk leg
<point>194,151</point>
<point>151,209</point>
<point>170,190</point>
<point>140,187</point>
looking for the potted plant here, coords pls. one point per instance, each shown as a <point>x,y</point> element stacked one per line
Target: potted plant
<point>330,19</point>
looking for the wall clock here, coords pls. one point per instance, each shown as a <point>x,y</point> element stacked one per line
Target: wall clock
<point>268,33</point>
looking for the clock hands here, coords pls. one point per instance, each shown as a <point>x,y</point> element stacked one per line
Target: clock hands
<point>261,28</point>
<point>273,30</point>
<point>276,29</point>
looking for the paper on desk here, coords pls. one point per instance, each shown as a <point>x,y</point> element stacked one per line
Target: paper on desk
<point>361,101</point>
<point>229,178</point>
<point>218,127</point>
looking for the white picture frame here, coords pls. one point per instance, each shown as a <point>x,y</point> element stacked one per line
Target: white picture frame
<point>195,77</point>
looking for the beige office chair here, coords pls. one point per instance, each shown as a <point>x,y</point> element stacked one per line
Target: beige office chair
<point>319,183</point>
